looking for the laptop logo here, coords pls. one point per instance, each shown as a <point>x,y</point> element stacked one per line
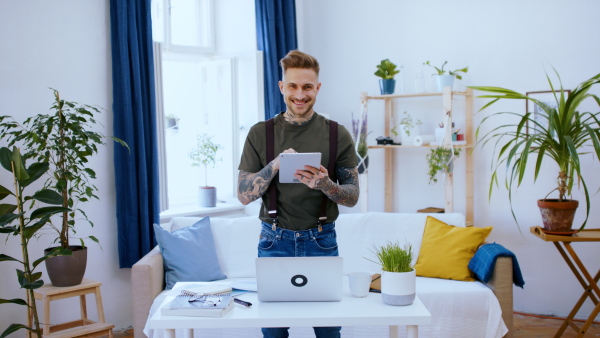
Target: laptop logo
<point>299,280</point>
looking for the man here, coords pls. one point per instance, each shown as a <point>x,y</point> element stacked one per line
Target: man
<point>297,231</point>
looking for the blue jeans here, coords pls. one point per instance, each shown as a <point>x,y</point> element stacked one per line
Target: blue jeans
<point>289,243</point>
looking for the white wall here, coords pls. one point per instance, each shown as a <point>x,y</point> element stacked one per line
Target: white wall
<point>506,44</point>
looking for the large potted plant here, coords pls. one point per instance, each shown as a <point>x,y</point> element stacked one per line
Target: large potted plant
<point>205,154</point>
<point>386,70</point>
<point>443,79</point>
<point>21,221</point>
<point>65,139</point>
<point>563,137</point>
<point>398,280</point>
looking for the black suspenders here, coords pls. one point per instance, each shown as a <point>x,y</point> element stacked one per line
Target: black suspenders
<point>333,137</point>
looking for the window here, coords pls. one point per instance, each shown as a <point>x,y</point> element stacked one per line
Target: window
<point>205,90</point>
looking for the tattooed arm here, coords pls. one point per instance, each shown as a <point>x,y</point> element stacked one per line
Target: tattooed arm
<point>251,186</point>
<point>345,193</point>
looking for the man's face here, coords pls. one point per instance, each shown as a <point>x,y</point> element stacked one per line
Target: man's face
<point>299,89</point>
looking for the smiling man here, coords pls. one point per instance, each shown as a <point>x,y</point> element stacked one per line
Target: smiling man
<point>304,222</point>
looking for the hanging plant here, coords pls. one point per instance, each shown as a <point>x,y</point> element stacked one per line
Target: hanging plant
<point>440,160</point>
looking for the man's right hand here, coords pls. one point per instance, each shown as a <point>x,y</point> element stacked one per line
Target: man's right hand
<point>275,162</point>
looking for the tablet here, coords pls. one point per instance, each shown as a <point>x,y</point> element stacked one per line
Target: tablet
<point>290,162</point>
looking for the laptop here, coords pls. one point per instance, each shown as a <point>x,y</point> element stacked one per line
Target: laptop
<point>299,279</point>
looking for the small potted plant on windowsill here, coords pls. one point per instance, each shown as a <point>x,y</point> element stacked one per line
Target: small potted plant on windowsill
<point>172,121</point>
<point>386,70</point>
<point>398,280</point>
<point>205,154</point>
<point>446,80</point>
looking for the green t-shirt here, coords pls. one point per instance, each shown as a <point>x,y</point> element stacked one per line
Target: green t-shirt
<point>298,206</point>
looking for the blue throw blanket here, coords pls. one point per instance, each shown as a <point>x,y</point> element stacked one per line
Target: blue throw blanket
<point>482,264</point>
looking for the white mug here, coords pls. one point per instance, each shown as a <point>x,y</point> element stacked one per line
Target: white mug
<point>360,283</point>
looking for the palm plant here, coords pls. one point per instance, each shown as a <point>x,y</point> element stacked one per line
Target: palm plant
<point>567,135</point>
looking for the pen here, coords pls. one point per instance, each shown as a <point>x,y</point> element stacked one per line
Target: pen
<point>242,302</point>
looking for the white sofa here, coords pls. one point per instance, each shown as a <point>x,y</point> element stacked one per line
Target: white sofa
<point>458,308</point>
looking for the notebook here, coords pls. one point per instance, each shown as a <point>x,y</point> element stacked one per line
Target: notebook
<point>203,305</point>
<point>299,279</point>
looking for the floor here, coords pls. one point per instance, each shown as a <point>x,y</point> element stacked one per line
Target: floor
<point>526,326</point>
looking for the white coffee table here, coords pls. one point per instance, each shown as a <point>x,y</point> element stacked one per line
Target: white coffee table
<point>350,311</point>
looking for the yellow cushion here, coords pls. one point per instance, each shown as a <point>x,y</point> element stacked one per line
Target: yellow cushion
<point>446,250</point>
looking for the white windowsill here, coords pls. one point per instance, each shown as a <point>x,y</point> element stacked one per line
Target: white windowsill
<point>224,207</point>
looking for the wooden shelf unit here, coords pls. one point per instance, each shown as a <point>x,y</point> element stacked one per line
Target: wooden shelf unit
<point>447,96</point>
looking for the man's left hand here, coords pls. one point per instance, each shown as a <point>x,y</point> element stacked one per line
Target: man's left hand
<point>313,178</point>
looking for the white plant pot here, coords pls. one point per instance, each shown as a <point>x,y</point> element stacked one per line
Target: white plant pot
<point>405,139</point>
<point>207,196</point>
<point>444,81</point>
<point>398,288</point>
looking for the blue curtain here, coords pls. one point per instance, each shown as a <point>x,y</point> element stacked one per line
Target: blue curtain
<point>136,168</point>
<point>276,35</point>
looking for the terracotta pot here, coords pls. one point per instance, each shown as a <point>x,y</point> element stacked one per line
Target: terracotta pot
<point>557,216</point>
<point>67,270</point>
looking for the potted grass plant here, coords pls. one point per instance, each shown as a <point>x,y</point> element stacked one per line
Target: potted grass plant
<point>65,139</point>
<point>398,280</point>
<point>564,136</point>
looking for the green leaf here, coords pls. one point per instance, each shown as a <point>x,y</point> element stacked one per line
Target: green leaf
<point>4,192</point>
<point>29,231</point>
<point>20,171</point>
<point>13,328</point>
<point>35,171</point>
<point>5,258</point>
<point>7,209</point>
<point>6,158</point>
<point>47,211</point>
<point>48,196</point>
<point>17,301</point>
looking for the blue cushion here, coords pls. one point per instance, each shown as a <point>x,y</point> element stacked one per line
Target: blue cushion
<point>189,254</point>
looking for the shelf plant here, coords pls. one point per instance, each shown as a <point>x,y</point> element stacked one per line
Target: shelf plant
<point>386,70</point>
<point>568,135</point>
<point>22,221</point>
<point>408,124</point>
<point>441,71</point>
<point>440,159</point>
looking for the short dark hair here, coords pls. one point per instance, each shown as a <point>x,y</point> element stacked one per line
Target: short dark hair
<point>298,59</point>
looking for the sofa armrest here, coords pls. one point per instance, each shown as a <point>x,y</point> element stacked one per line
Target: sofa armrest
<point>147,282</point>
<point>501,284</point>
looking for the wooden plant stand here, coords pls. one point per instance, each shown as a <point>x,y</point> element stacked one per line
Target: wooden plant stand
<point>589,283</point>
<point>83,327</point>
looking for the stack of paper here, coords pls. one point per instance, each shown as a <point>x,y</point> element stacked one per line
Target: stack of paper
<point>201,301</point>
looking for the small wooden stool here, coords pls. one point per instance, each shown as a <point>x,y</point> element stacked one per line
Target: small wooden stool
<point>78,328</point>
